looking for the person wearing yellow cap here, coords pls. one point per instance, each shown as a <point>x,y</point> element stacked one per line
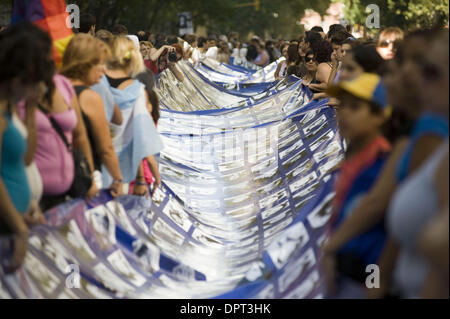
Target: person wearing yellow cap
<point>417,138</point>
<point>362,113</point>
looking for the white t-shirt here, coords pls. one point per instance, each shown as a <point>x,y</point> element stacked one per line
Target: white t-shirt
<point>235,53</point>
<point>212,53</point>
<point>243,53</point>
<point>197,55</point>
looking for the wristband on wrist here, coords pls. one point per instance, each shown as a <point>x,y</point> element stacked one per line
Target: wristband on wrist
<point>117,181</point>
<point>141,183</point>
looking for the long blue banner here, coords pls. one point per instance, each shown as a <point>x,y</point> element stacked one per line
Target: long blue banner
<point>242,211</point>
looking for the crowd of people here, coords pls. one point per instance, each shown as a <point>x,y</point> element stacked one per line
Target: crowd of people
<point>63,134</point>
<point>68,133</point>
<point>391,203</point>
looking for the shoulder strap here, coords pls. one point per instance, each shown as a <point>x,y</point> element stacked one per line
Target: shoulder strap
<point>79,89</point>
<point>56,127</point>
<point>115,83</point>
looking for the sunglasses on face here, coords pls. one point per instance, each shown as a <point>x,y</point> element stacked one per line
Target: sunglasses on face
<point>386,43</point>
<point>309,59</point>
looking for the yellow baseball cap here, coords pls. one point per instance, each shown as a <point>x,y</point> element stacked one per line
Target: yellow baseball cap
<point>368,86</point>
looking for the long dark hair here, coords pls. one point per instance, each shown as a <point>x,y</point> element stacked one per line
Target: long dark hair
<point>323,52</point>
<point>252,53</point>
<point>148,80</point>
<point>293,56</point>
<point>154,100</point>
<point>271,51</point>
<point>314,39</point>
<point>26,54</point>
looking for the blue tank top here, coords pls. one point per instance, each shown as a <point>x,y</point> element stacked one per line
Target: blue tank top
<point>12,167</point>
<point>428,123</point>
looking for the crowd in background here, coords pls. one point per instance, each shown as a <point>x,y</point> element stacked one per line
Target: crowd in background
<point>391,101</point>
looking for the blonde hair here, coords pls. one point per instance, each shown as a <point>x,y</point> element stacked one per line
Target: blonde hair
<point>83,52</point>
<point>147,43</point>
<point>126,56</point>
<point>390,32</point>
<point>104,35</point>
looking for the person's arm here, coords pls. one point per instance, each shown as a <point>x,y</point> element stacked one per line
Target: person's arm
<point>433,242</point>
<point>117,116</point>
<point>372,208</point>
<point>277,72</point>
<point>11,218</point>
<point>188,53</point>
<point>318,96</point>
<point>265,58</point>
<point>153,164</point>
<point>81,142</point>
<point>333,74</point>
<point>176,72</point>
<point>322,76</point>
<point>441,181</point>
<point>318,87</point>
<point>102,139</point>
<point>141,187</point>
<point>334,69</point>
<point>155,54</point>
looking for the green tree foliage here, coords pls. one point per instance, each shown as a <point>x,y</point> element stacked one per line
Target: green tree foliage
<point>219,16</point>
<point>406,14</point>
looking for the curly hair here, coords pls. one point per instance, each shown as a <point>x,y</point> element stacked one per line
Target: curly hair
<point>314,39</point>
<point>26,54</point>
<point>323,52</point>
<point>334,29</point>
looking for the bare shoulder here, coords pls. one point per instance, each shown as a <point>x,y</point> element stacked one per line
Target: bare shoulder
<point>91,103</point>
<point>323,67</point>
